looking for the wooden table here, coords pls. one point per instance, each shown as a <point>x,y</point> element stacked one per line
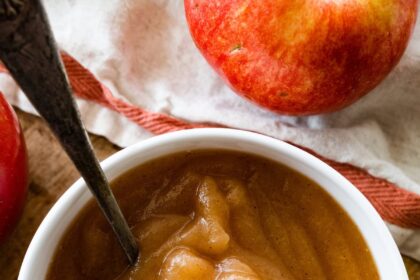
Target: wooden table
<point>51,173</point>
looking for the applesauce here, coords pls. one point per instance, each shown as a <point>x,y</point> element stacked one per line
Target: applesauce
<point>215,214</point>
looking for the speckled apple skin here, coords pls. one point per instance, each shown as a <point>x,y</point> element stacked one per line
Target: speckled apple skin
<point>302,57</point>
<point>13,170</point>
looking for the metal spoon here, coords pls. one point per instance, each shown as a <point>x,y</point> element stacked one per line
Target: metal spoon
<point>28,50</point>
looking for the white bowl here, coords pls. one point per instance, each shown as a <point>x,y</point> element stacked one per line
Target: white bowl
<point>383,248</point>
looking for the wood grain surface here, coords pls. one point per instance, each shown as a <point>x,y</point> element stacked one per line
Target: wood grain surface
<point>51,173</point>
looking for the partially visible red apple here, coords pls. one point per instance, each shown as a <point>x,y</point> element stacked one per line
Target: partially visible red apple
<point>13,170</point>
<point>302,57</point>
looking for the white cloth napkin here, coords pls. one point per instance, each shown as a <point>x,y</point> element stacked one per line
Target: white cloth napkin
<point>142,50</point>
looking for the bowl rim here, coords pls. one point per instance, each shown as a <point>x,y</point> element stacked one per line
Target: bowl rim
<point>78,194</point>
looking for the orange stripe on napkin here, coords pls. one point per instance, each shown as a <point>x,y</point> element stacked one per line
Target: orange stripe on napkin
<point>394,204</point>
<point>85,85</point>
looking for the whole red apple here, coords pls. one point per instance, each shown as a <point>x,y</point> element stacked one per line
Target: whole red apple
<point>302,57</point>
<point>13,170</point>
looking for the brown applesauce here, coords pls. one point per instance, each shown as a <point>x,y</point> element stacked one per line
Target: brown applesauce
<point>217,214</point>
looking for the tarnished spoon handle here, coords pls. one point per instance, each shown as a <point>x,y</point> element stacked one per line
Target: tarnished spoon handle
<point>28,50</point>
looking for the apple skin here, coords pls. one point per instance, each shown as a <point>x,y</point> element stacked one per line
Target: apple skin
<point>13,170</point>
<point>302,57</point>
